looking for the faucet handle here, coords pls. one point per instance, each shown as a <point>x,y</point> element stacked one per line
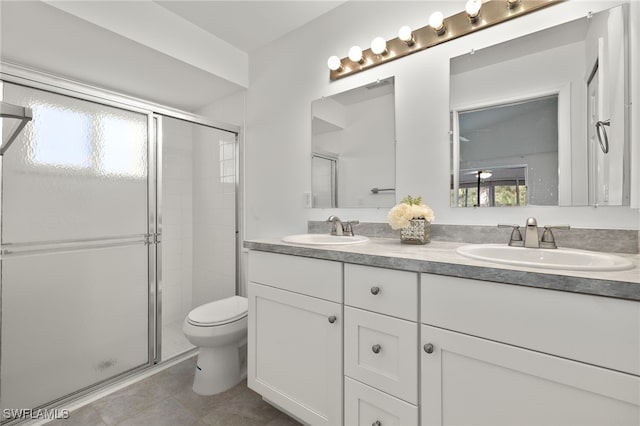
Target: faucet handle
<point>548,240</point>
<point>347,226</point>
<point>516,236</point>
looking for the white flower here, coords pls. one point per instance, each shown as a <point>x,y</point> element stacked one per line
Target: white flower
<point>399,216</point>
<point>422,211</point>
<point>410,208</point>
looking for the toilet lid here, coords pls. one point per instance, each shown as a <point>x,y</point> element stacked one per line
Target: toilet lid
<point>219,312</point>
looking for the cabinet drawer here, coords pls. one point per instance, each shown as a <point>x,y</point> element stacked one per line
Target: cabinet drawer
<point>592,329</point>
<point>382,290</point>
<point>313,277</point>
<point>382,352</point>
<point>364,406</point>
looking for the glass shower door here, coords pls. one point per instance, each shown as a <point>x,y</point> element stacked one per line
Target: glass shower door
<point>198,197</point>
<point>75,288</point>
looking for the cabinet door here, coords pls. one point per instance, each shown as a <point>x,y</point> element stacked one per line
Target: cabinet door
<point>472,381</point>
<point>364,406</point>
<point>295,353</point>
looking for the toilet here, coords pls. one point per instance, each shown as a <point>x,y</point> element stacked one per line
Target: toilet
<point>219,330</point>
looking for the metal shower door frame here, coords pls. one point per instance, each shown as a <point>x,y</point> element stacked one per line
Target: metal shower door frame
<point>35,79</point>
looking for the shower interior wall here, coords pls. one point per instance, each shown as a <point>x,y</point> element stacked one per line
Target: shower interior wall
<point>198,215</point>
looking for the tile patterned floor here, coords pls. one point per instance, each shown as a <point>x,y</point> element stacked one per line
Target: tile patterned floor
<point>166,398</point>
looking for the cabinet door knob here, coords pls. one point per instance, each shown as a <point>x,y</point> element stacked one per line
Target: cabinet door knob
<point>376,348</point>
<point>375,290</point>
<point>332,319</point>
<point>428,348</point>
<point>376,423</point>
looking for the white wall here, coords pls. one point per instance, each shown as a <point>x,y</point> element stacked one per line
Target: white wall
<point>289,73</point>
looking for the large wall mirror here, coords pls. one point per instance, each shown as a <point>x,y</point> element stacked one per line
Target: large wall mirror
<point>353,151</point>
<point>542,119</point>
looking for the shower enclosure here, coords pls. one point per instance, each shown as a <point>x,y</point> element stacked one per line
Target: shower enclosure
<point>115,215</point>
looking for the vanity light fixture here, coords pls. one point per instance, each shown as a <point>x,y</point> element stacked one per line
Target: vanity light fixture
<point>473,10</point>
<point>334,63</point>
<point>379,46</point>
<point>478,15</point>
<point>355,55</point>
<point>436,21</point>
<point>405,34</point>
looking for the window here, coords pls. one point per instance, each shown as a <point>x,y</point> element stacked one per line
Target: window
<point>103,142</point>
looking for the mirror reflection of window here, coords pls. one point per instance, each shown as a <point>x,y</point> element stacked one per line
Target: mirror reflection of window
<point>493,187</point>
<point>494,141</point>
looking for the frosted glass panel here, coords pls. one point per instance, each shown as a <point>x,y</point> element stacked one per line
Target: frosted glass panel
<point>198,223</point>
<point>74,153</point>
<point>71,320</point>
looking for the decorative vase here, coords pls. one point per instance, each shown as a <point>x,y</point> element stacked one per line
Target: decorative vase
<point>418,232</point>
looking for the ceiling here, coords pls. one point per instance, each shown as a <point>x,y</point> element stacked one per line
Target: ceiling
<point>45,35</point>
<point>249,25</point>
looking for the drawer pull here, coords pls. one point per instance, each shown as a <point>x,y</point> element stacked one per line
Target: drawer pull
<point>376,349</point>
<point>332,319</point>
<point>428,348</point>
<point>376,423</point>
<point>375,290</point>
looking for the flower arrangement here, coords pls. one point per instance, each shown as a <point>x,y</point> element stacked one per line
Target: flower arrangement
<point>411,208</point>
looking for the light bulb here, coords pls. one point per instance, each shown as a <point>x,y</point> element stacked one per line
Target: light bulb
<point>334,63</point>
<point>436,21</point>
<point>405,34</point>
<point>355,54</point>
<point>473,8</point>
<point>379,46</point>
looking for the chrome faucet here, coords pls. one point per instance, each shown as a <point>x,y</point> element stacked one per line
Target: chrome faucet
<point>530,239</point>
<point>341,228</point>
<point>337,228</point>
<point>531,234</point>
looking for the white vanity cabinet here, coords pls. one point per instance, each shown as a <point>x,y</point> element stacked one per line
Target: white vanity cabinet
<point>495,354</point>
<point>381,346</point>
<point>335,343</point>
<point>295,335</point>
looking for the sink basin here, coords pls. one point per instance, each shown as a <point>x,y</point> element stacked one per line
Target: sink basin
<point>561,258</point>
<point>324,239</point>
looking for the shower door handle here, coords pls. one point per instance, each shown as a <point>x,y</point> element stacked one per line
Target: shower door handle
<point>600,131</point>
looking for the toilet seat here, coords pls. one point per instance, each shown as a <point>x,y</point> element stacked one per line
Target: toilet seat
<point>219,312</point>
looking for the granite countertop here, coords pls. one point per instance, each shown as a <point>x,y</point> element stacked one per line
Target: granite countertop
<point>441,258</point>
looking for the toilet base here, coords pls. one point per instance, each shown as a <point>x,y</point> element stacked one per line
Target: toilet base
<point>217,370</point>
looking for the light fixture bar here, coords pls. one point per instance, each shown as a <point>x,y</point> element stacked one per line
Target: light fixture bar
<point>493,12</point>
